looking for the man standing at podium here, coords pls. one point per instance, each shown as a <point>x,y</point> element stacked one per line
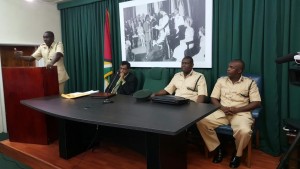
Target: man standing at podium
<point>53,53</point>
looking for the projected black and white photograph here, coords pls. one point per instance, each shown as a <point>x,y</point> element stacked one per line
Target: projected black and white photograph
<point>159,33</point>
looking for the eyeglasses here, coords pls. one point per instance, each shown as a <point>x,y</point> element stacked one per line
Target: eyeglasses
<point>123,68</point>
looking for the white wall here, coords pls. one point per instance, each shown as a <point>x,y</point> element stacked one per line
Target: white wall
<point>24,23</point>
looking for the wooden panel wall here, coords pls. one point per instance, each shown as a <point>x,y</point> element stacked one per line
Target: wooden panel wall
<point>8,59</point>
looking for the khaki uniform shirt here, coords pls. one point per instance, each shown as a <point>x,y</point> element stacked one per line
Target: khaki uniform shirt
<point>48,53</point>
<point>189,87</point>
<point>237,94</point>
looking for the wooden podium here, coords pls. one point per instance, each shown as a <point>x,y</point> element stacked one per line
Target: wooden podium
<point>23,123</point>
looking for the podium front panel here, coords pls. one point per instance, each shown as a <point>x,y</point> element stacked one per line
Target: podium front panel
<point>24,124</point>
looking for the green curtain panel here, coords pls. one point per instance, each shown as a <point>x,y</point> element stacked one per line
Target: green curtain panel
<point>82,35</point>
<point>257,31</point>
<point>115,29</point>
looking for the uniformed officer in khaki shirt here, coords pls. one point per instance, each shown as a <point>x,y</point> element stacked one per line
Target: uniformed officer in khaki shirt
<point>53,53</point>
<point>188,83</point>
<point>237,96</point>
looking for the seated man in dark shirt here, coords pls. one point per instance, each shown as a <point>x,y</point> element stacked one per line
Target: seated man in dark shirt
<point>124,82</point>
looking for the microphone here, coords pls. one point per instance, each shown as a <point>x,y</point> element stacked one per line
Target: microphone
<point>287,58</point>
<point>109,87</point>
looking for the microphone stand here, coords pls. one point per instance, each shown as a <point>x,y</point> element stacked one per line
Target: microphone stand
<point>107,100</point>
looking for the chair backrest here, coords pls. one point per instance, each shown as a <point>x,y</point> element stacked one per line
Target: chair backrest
<point>258,80</point>
<point>259,83</point>
<point>140,79</point>
<point>156,79</point>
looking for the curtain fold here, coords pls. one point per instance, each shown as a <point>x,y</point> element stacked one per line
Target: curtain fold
<point>289,27</point>
<point>74,3</point>
<point>116,38</point>
<point>82,35</point>
<point>257,31</point>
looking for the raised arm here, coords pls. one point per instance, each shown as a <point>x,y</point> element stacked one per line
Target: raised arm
<point>19,55</point>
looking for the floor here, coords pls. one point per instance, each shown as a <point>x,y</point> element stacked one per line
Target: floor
<point>7,162</point>
<point>109,155</point>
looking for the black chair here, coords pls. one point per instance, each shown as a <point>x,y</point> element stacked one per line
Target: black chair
<point>227,130</point>
<point>156,79</point>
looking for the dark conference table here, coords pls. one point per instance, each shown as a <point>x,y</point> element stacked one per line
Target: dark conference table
<point>164,125</point>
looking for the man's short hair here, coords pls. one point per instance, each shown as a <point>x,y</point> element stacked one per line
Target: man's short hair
<point>50,33</point>
<point>241,62</point>
<point>126,63</point>
<point>190,58</point>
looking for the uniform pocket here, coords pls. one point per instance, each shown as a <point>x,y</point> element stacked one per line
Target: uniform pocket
<point>244,93</point>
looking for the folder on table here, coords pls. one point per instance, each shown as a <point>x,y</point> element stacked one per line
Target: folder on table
<point>102,95</point>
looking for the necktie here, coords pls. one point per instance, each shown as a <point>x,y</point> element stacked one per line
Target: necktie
<point>115,89</point>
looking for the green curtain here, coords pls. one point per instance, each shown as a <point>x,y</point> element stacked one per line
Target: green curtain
<point>289,36</point>
<point>82,35</point>
<point>257,31</point>
<point>115,29</point>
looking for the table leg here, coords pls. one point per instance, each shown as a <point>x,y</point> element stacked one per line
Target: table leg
<point>75,137</point>
<point>165,152</point>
